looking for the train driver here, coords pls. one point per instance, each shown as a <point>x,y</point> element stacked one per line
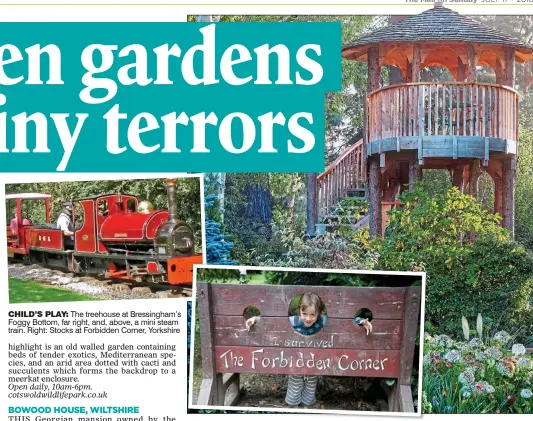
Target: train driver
<point>64,220</point>
<point>14,224</point>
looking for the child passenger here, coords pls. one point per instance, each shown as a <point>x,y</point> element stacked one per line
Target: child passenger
<point>311,318</point>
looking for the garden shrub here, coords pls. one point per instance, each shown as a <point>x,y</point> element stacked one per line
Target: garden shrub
<point>327,252</point>
<point>489,373</point>
<point>470,262</point>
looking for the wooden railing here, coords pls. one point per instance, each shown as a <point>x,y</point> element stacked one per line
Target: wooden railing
<point>443,109</point>
<point>344,174</point>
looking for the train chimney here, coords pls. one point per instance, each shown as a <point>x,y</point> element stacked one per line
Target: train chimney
<point>171,194</point>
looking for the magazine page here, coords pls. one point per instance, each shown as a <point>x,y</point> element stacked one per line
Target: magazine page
<point>266,209</point>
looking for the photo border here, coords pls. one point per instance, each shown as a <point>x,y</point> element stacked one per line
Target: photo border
<point>308,411</point>
<point>86,177</point>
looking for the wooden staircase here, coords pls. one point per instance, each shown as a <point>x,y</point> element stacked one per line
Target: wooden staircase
<point>350,213</point>
<point>344,177</point>
<point>341,191</point>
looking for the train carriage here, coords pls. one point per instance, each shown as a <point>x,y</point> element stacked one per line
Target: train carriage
<point>114,235</point>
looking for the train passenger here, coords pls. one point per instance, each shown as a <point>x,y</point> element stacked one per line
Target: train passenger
<point>64,220</point>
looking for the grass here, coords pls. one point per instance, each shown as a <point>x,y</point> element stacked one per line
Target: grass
<point>21,291</point>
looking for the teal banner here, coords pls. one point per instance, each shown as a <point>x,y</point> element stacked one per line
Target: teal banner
<point>179,97</point>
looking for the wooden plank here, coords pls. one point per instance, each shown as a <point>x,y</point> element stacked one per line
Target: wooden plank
<point>273,300</point>
<point>420,121</point>
<point>207,392</point>
<point>326,362</point>
<point>337,333</point>
<point>410,323</point>
<point>443,109</point>
<point>212,390</point>
<point>405,114</point>
<point>405,401</point>
<point>436,112</point>
<point>458,110</point>
<point>472,110</point>
<point>429,110</point>
<point>450,111</point>
<point>465,103</point>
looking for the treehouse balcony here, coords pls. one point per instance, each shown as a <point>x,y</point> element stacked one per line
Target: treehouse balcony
<point>443,121</point>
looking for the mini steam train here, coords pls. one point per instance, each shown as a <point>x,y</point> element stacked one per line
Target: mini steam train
<point>117,237</point>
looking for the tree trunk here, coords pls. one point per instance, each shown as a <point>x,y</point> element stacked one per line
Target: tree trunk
<point>471,63</point>
<point>415,70</point>
<point>458,178</point>
<point>375,193</point>
<point>508,196</point>
<point>475,171</point>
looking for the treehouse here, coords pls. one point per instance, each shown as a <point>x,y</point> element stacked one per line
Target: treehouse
<point>462,126</point>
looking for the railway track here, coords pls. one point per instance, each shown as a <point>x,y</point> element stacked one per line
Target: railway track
<point>96,286</point>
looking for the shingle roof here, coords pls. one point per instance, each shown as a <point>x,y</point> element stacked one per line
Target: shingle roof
<point>439,24</point>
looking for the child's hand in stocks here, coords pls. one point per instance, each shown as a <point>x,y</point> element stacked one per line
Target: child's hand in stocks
<point>368,326</point>
<point>252,321</point>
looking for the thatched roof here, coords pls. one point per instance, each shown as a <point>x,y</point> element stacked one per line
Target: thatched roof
<point>438,24</point>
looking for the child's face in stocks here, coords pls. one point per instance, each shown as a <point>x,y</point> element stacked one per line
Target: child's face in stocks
<point>308,315</point>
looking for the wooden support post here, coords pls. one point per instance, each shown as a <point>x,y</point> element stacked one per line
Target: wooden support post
<point>475,171</point>
<point>498,197</point>
<point>499,71</point>
<point>471,63</point>
<point>509,166</point>
<point>374,82</point>
<point>415,67</point>
<point>231,384</point>
<point>460,70</point>
<point>409,72</point>
<point>400,397</point>
<point>415,172</point>
<point>508,196</point>
<point>212,388</point>
<point>509,74</point>
<point>375,193</point>
<point>458,178</point>
<point>410,323</point>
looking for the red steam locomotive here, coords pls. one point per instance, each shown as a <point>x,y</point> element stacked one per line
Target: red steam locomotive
<point>118,237</point>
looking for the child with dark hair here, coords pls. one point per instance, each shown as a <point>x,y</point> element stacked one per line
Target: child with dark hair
<point>311,318</point>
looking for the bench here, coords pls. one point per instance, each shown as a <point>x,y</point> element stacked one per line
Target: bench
<point>340,348</point>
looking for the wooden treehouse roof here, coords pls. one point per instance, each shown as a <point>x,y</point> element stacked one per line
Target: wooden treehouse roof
<point>443,34</point>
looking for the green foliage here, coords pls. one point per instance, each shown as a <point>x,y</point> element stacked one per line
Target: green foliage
<point>524,189</point>
<point>434,230</point>
<point>326,251</point>
<point>220,275</point>
<point>471,264</point>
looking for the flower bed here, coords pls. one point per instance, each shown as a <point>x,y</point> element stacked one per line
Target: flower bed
<point>476,376</point>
